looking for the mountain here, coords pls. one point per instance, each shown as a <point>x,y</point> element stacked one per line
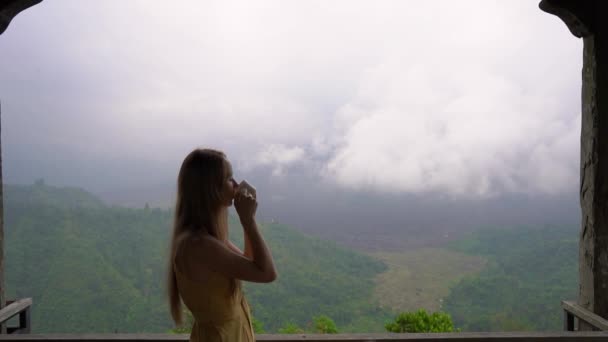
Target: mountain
<point>90,267</point>
<point>530,271</point>
<point>371,220</point>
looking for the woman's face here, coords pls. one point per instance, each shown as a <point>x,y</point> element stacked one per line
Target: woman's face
<point>229,186</point>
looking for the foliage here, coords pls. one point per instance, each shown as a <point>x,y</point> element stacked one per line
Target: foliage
<point>530,271</point>
<point>315,276</point>
<point>291,328</point>
<point>324,325</point>
<point>95,268</point>
<point>421,322</point>
<point>258,327</point>
<point>422,277</point>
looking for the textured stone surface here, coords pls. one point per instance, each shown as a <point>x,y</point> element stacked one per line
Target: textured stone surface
<point>585,19</point>
<point>593,252</point>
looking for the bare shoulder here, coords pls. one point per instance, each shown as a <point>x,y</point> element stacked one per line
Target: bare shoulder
<point>197,253</point>
<point>201,246</point>
<point>205,254</point>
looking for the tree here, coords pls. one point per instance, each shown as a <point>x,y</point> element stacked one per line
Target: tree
<point>421,322</point>
<point>291,328</point>
<point>324,325</point>
<point>258,327</point>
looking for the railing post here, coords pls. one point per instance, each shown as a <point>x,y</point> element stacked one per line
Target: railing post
<point>568,321</point>
<point>24,321</point>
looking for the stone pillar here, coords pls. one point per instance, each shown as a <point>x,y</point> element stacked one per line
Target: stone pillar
<point>593,250</point>
<point>584,19</point>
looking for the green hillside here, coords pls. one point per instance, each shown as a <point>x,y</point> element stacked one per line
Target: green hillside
<point>421,278</point>
<point>530,271</point>
<point>94,268</point>
<point>317,277</point>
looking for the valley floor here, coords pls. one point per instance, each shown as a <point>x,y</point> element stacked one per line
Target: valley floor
<point>421,278</point>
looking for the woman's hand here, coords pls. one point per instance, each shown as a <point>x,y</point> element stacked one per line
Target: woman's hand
<point>245,205</point>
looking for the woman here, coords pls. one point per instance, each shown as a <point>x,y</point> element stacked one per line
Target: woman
<point>205,268</point>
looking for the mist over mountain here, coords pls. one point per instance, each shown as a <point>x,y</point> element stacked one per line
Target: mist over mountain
<point>363,219</point>
<point>368,152</point>
<point>378,136</point>
<point>363,133</point>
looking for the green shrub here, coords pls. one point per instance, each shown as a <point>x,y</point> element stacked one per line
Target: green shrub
<point>291,328</point>
<point>421,322</point>
<point>324,325</point>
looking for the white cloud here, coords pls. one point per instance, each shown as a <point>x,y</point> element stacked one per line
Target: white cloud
<point>464,97</point>
<point>278,157</point>
<point>461,128</point>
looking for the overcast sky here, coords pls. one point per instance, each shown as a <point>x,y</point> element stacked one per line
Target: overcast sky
<point>463,98</point>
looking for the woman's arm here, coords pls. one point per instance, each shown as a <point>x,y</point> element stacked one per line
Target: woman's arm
<point>260,252</point>
<point>234,247</point>
<point>248,249</point>
<point>209,253</point>
<point>255,246</point>
<point>248,252</point>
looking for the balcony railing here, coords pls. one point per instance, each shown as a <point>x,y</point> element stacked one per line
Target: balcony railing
<point>13,308</point>
<point>560,336</point>
<point>573,313</point>
<point>21,333</point>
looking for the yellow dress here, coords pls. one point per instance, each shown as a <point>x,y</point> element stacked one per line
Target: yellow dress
<point>218,316</point>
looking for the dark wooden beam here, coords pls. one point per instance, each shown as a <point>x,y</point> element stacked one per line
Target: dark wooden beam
<point>576,14</point>
<point>10,8</point>
<point>586,19</point>
<point>588,336</point>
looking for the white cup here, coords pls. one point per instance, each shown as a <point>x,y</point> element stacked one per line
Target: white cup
<point>246,188</point>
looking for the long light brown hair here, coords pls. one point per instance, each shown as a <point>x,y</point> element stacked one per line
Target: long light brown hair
<point>198,210</point>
